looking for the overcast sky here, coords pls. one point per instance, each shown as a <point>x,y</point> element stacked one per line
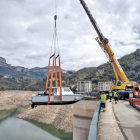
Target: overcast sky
<point>27,26</point>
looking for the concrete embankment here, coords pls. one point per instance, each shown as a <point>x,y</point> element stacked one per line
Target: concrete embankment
<point>108,128</point>
<point>83,113</point>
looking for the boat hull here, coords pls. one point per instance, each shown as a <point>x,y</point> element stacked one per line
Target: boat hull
<point>55,100</point>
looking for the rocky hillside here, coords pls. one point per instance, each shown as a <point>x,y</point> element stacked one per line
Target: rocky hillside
<point>15,83</point>
<point>17,71</point>
<point>41,83</point>
<point>130,64</point>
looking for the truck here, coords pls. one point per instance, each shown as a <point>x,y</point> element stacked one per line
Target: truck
<point>122,82</point>
<point>122,95</point>
<point>135,100</point>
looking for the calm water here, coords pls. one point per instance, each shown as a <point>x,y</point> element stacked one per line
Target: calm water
<point>12,128</point>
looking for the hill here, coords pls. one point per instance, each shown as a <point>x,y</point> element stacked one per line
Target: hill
<point>15,83</point>
<point>130,64</point>
<point>17,71</point>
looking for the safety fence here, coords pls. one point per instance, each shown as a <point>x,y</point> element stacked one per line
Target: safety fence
<point>94,123</point>
<point>95,94</point>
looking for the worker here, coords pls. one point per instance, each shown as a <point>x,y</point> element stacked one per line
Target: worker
<point>103,101</point>
<point>115,97</point>
<point>110,96</point>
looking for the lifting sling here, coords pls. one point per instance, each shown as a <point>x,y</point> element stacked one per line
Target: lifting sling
<point>54,65</point>
<point>51,80</point>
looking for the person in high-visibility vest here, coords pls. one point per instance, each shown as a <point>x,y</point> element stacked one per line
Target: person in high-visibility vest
<point>103,101</point>
<point>110,96</point>
<point>115,97</point>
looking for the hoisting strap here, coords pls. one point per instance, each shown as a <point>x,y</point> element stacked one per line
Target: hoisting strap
<point>57,56</point>
<point>47,79</point>
<point>48,73</point>
<point>52,56</point>
<point>60,81</point>
<point>50,89</point>
<point>56,74</point>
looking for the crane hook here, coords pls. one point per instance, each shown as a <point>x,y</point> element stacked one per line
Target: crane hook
<point>55,18</point>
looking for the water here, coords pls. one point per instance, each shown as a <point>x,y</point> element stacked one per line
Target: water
<point>12,128</point>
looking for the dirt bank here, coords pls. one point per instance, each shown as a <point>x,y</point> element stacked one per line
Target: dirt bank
<point>14,98</point>
<point>61,117</point>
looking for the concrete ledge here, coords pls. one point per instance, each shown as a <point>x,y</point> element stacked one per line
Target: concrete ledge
<point>108,128</point>
<point>94,123</point>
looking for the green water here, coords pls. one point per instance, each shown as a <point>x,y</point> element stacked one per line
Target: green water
<point>12,128</point>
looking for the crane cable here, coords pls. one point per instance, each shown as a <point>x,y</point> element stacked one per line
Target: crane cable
<point>55,44</point>
<point>55,36</point>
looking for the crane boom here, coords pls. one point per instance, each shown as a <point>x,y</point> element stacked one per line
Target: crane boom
<point>104,43</point>
<point>92,19</point>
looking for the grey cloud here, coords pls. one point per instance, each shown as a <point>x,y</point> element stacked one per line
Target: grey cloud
<point>27,26</point>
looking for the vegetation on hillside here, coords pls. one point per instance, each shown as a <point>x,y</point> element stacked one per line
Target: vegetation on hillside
<point>130,64</point>
<point>15,83</point>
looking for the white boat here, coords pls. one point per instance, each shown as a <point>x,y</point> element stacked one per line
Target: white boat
<point>68,97</point>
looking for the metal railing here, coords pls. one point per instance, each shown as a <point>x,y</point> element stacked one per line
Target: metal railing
<point>94,123</point>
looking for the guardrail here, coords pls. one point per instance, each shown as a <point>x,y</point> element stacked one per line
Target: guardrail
<point>94,123</point>
<point>95,94</point>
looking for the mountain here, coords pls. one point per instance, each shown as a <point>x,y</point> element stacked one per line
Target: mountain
<point>16,77</point>
<point>23,78</point>
<point>130,64</point>
<point>41,83</point>
<point>17,71</point>
<point>15,83</point>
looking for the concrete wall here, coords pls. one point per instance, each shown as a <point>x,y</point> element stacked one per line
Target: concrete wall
<point>83,113</point>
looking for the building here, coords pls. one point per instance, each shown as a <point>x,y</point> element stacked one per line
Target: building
<point>104,86</point>
<point>84,86</point>
<point>7,76</point>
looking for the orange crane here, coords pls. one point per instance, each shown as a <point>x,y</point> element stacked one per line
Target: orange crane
<point>123,82</point>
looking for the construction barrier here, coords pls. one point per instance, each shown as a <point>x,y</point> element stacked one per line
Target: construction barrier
<point>94,123</point>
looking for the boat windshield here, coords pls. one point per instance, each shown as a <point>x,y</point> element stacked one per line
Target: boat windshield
<point>67,90</point>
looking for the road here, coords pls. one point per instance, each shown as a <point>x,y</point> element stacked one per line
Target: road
<point>108,128</point>
<point>128,119</point>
